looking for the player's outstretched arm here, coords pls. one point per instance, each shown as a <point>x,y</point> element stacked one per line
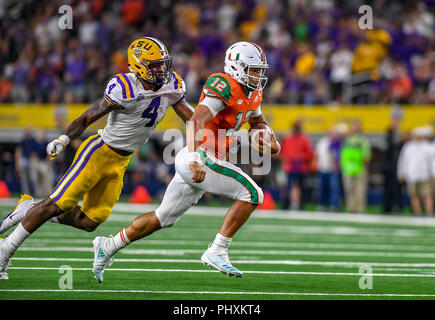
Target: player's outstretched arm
<point>95,111</point>
<point>199,119</point>
<point>258,122</point>
<point>183,109</point>
<point>75,129</point>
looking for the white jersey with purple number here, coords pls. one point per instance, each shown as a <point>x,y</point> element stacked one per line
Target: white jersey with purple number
<point>130,126</point>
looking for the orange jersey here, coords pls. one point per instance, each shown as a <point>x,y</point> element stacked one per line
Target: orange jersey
<point>219,133</point>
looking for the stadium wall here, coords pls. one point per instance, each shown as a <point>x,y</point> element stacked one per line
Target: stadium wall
<point>317,119</point>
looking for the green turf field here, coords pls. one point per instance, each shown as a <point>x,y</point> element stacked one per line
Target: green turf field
<point>283,256</point>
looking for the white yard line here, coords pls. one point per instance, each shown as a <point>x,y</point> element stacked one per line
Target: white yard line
<point>250,271</point>
<point>337,230</point>
<point>179,252</point>
<point>182,235</point>
<point>405,269</point>
<point>224,292</point>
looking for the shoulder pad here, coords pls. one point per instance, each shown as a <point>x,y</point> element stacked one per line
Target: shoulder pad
<point>178,82</point>
<point>120,88</point>
<point>218,86</point>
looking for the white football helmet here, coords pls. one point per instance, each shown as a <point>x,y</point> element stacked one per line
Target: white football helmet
<point>240,57</point>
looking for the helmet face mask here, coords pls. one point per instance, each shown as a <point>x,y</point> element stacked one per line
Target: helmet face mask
<point>149,59</point>
<point>160,70</point>
<point>251,80</point>
<point>246,63</point>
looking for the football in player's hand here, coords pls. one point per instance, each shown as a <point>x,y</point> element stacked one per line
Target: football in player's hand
<point>260,138</point>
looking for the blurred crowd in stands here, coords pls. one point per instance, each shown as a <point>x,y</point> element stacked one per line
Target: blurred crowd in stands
<point>316,50</point>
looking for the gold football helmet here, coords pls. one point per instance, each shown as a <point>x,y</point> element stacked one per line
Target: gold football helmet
<point>149,59</point>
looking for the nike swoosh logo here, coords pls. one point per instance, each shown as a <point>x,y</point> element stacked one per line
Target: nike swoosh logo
<point>10,216</point>
<point>5,218</point>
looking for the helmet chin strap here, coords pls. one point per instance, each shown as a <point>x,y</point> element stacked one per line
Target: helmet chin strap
<point>246,89</point>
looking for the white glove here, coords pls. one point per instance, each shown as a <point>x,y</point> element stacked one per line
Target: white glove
<point>57,146</point>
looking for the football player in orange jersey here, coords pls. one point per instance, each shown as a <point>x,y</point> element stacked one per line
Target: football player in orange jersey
<point>227,102</point>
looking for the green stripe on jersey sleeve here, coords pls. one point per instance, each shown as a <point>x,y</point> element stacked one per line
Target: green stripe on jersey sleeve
<point>219,86</point>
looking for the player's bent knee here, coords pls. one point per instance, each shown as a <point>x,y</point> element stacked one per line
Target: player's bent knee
<point>156,223</point>
<point>165,221</point>
<point>50,208</point>
<point>254,196</point>
<point>89,227</point>
<point>167,224</point>
<point>148,222</point>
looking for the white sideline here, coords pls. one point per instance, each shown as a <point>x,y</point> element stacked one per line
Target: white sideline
<point>137,209</point>
<point>253,272</point>
<point>227,292</point>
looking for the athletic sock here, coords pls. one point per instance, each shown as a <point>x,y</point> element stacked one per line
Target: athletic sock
<point>220,242</point>
<point>117,242</point>
<point>14,240</point>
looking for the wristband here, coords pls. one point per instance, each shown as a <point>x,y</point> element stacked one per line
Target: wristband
<point>64,138</point>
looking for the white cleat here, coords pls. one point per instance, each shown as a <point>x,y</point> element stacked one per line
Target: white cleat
<point>101,258</point>
<point>4,264</point>
<point>220,261</point>
<point>18,214</point>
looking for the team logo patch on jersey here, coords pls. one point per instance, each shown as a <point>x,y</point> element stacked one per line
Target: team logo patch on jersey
<point>140,96</point>
<point>209,93</point>
<point>240,101</point>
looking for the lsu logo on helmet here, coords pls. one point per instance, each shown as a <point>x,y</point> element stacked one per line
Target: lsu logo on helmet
<point>149,59</point>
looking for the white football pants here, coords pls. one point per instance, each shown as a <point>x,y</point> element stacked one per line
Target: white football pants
<point>222,178</point>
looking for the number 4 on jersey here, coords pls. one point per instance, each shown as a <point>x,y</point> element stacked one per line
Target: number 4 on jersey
<point>151,112</point>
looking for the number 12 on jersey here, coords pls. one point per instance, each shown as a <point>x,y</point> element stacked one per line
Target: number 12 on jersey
<point>151,112</point>
<point>219,84</point>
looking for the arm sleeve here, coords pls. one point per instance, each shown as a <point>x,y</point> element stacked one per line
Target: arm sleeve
<point>215,105</point>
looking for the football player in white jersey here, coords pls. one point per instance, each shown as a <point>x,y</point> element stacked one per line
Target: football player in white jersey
<point>228,101</point>
<point>136,103</point>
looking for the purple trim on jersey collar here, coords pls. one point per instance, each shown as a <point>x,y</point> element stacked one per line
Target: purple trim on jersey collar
<point>175,82</point>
